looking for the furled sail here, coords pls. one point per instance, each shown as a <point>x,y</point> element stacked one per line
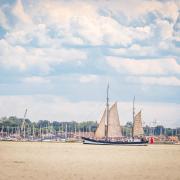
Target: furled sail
<point>114,128</point>
<point>100,131</point>
<point>137,125</point>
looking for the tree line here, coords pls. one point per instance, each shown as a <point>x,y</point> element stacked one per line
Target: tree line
<point>12,123</point>
<point>15,122</point>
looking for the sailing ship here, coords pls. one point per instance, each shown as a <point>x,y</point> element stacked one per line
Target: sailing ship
<point>109,130</point>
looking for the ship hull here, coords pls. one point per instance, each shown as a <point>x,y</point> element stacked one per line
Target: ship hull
<point>105,142</point>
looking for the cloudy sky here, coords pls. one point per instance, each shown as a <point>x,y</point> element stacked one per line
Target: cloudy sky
<point>57,56</point>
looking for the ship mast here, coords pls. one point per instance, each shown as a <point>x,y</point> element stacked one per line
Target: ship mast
<point>23,126</point>
<point>133,116</point>
<point>107,112</point>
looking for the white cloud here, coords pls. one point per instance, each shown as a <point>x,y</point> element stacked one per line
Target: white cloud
<point>162,81</point>
<point>136,9</point>
<point>134,50</point>
<point>36,79</point>
<point>144,67</point>
<point>47,107</point>
<point>43,58</point>
<point>45,34</point>
<point>19,12</point>
<point>86,26</point>
<point>106,31</point>
<point>57,108</point>
<point>89,27</point>
<point>88,78</point>
<point>166,114</point>
<point>166,29</point>
<point>3,20</point>
<point>177,29</point>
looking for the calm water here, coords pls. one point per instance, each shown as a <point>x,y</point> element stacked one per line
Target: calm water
<point>48,161</point>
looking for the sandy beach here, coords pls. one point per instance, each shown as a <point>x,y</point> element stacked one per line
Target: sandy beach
<point>75,161</point>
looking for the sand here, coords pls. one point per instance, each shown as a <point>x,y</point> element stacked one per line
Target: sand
<point>75,161</point>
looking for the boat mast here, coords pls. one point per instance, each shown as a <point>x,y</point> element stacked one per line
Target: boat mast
<point>23,126</point>
<point>107,111</point>
<point>133,116</point>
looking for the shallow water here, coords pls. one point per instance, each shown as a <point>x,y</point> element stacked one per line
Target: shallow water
<point>49,161</point>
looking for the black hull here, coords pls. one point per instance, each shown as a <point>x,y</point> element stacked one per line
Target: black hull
<point>105,142</point>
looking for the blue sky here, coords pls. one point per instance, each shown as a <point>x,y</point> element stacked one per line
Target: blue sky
<point>56,58</point>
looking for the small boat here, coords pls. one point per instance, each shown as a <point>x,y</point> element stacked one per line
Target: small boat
<point>177,143</point>
<point>109,132</point>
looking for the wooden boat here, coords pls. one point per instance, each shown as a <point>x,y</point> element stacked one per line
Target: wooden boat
<point>109,132</point>
<point>111,142</point>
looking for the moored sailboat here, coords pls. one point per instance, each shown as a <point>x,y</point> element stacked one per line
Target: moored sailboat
<point>109,130</point>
